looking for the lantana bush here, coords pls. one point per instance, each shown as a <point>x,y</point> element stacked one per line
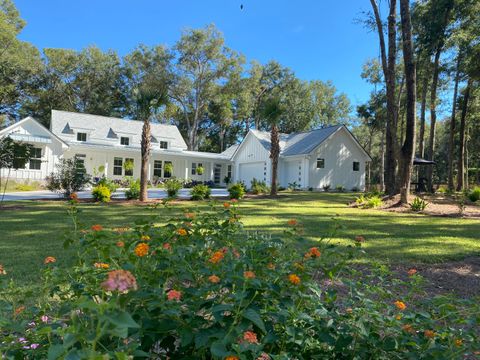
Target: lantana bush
<point>202,287</point>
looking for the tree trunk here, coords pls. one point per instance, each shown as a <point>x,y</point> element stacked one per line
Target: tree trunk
<point>421,144</point>
<point>146,134</point>
<point>461,150</point>
<point>451,137</point>
<point>382,162</point>
<point>433,117</point>
<point>274,154</point>
<point>388,66</point>
<point>408,148</point>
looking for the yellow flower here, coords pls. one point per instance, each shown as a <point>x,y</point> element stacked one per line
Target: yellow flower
<point>100,265</point>
<point>458,342</point>
<point>294,279</point>
<point>145,238</point>
<point>182,232</point>
<point>400,305</point>
<point>142,249</point>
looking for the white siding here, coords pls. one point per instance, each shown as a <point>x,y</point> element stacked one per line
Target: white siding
<point>252,151</point>
<point>339,152</point>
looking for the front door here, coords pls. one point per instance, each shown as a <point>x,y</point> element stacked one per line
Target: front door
<point>217,173</point>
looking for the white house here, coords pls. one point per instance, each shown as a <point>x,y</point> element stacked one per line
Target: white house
<point>311,159</point>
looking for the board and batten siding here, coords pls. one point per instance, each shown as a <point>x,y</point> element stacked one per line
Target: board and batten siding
<point>339,152</point>
<point>252,151</point>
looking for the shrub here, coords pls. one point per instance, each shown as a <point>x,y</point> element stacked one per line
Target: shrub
<point>101,193</point>
<point>418,204</point>
<point>168,168</point>
<point>236,191</point>
<point>173,186</point>
<point>133,192</point>
<point>201,287</point>
<point>361,199</point>
<point>373,202</point>
<point>293,186</point>
<point>340,188</point>
<point>259,187</point>
<point>474,194</point>
<point>112,186</point>
<point>200,170</point>
<point>69,177</point>
<point>355,189</point>
<point>227,180</point>
<point>200,192</point>
<point>326,187</point>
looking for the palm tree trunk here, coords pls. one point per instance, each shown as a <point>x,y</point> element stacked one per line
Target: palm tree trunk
<point>146,134</point>
<point>274,155</point>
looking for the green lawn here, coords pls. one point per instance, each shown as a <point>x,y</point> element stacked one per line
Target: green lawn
<point>36,229</point>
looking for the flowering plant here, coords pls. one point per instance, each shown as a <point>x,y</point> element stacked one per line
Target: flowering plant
<point>202,287</point>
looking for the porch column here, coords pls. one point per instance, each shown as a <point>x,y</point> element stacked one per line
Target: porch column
<point>149,170</point>
<point>186,168</point>
<point>105,170</point>
<point>212,164</point>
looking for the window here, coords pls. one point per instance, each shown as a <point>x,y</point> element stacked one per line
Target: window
<point>157,168</point>
<point>117,166</point>
<point>124,141</point>
<point>356,166</point>
<point>128,167</point>
<point>229,172</point>
<point>80,163</point>
<point>194,168</point>
<point>81,136</point>
<point>163,145</point>
<point>320,163</point>
<point>217,170</point>
<point>36,159</point>
<point>167,171</point>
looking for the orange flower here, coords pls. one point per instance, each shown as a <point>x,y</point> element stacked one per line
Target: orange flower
<point>348,310</point>
<point>359,238</point>
<point>234,201</point>
<point>190,215</point>
<point>458,342</point>
<point>167,246</point>
<point>49,259</point>
<point>216,257</point>
<point>100,265</point>
<point>235,253</point>
<point>226,205</point>
<point>292,222</point>
<point>74,197</point>
<point>429,334</point>
<point>271,266</point>
<point>121,280</point>
<point>400,305</point>
<point>412,272</point>
<point>145,238</point>
<point>2,270</point>
<point>120,244</point>
<point>250,337</point>
<point>174,295</point>
<point>408,328</point>
<point>231,357</point>
<point>182,232</point>
<point>249,275</point>
<point>97,227</point>
<point>398,317</point>
<point>142,249</point>
<point>313,252</point>
<point>294,279</point>
<point>19,310</point>
<point>214,279</point>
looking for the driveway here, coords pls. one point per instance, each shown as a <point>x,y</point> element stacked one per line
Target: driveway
<point>120,194</point>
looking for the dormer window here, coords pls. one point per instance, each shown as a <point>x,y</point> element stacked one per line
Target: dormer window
<point>81,136</point>
<point>124,141</point>
<point>163,145</point>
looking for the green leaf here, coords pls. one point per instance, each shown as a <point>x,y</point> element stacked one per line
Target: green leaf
<point>55,352</point>
<point>123,319</point>
<point>254,317</point>
<point>218,349</point>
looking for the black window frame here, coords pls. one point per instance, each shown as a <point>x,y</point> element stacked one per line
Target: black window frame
<point>122,140</point>
<point>117,167</point>
<point>193,171</point>
<point>163,145</point>
<point>82,136</point>
<point>322,162</point>
<point>356,166</point>
<point>157,170</point>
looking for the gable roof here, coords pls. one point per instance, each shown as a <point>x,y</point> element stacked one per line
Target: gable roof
<point>230,151</point>
<point>103,128</point>
<point>21,137</point>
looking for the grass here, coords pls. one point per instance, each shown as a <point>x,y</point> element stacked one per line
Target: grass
<point>32,230</point>
<point>13,186</point>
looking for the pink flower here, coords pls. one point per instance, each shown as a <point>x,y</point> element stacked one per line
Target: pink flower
<point>121,280</point>
<point>44,318</point>
<point>34,346</point>
<point>174,295</point>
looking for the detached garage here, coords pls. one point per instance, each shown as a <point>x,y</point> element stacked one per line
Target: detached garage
<point>248,171</point>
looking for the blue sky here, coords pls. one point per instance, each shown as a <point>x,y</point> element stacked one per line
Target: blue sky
<point>317,39</point>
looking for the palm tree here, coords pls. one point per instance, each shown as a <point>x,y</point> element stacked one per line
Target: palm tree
<point>272,110</point>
